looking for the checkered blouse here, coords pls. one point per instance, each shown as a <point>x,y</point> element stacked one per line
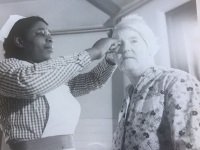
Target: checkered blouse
<point>24,109</point>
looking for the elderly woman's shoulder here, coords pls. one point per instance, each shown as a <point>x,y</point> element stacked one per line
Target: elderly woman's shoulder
<point>174,71</point>
<point>177,74</point>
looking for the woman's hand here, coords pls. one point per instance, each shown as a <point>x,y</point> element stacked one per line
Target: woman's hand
<point>111,53</point>
<point>101,47</point>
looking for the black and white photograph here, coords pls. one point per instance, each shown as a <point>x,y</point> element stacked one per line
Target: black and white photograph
<point>99,74</point>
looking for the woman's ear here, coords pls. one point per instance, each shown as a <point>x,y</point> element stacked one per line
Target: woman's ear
<point>18,42</point>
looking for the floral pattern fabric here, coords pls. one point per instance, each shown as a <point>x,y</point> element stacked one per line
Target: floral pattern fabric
<point>162,112</point>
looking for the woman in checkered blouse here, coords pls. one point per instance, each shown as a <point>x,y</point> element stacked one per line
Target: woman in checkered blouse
<point>38,109</point>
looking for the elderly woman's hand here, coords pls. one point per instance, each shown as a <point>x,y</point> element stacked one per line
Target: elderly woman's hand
<point>101,47</point>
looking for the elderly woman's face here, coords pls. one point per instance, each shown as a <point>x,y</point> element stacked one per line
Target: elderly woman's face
<point>133,52</point>
<point>38,43</point>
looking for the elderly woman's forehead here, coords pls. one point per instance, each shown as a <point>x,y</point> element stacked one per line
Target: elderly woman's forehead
<point>124,33</point>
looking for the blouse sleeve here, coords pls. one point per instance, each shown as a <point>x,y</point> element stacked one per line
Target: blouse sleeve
<point>184,113</point>
<point>20,79</point>
<point>84,83</point>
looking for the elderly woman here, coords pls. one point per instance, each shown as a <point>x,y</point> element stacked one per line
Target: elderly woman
<point>161,110</point>
<point>38,108</point>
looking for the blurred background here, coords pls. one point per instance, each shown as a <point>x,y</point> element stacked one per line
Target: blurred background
<point>77,24</point>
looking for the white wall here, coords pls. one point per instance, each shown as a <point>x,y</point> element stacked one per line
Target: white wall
<point>60,14</point>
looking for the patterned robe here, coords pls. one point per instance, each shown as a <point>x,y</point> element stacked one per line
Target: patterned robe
<point>162,112</point>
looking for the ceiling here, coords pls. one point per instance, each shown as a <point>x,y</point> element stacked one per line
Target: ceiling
<point>71,15</point>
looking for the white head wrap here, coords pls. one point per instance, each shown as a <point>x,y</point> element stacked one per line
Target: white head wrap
<point>137,24</point>
<point>5,30</point>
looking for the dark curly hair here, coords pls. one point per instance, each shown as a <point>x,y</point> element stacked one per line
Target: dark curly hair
<point>20,29</point>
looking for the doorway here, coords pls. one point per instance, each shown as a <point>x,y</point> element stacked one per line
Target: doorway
<point>183,34</point>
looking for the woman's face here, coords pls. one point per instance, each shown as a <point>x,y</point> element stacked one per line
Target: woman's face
<point>38,43</point>
<point>133,53</point>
